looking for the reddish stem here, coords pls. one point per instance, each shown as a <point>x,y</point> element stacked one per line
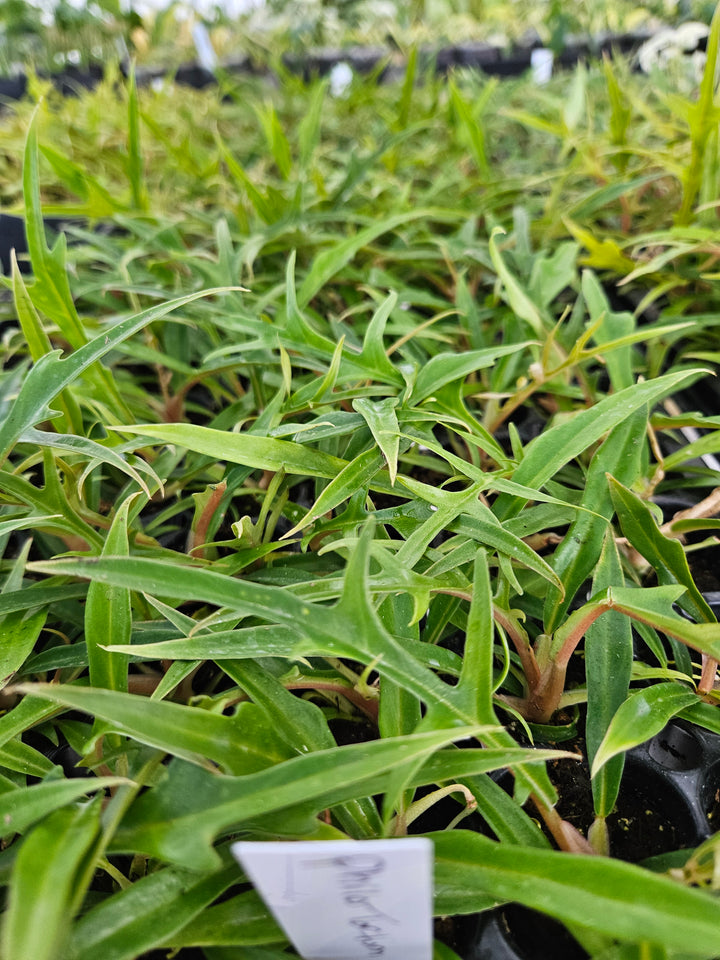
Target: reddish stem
<point>198,537</point>
<point>369,707</point>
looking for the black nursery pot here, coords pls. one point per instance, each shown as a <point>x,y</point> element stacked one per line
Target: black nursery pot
<point>669,800</point>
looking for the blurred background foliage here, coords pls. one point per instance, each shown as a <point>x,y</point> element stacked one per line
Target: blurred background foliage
<point>52,34</point>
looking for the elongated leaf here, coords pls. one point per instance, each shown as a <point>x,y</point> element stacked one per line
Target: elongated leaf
<point>355,476</point>
<point>26,523</point>
<point>51,290</point>
<point>51,497</point>
<point>240,744</point>
<point>609,896</point>
<point>21,808</point>
<point>640,717</point>
<point>613,326</point>
<point>51,374</point>
<point>518,299</point>
<point>579,552</point>
<point>108,616</point>
<point>43,883</point>
<point>608,667</point>
<point>19,635</point>
<point>446,368</point>
<point>28,713</point>
<point>373,355</point>
<point>154,908</point>
<point>665,554</point>
<point>38,341</point>
<point>653,606</point>
<point>70,443</point>
<point>476,679</point>
<point>242,921</point>
<point>179,820</point>
<point>21,757</point>
<point>260,453</point>
<point>39,595</point>
<point>134,153</point>
<point>481,525</point>
<point>331,261</point>
<point>473,130</point>
<point>382,420</point>
<point>554,448</point>
<point>309,127</point>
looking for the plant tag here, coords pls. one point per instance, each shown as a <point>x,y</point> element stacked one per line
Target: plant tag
<point>347,899</point>
<point>541,61</point>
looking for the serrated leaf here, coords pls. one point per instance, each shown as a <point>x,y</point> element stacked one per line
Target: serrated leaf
<point>382,420</point>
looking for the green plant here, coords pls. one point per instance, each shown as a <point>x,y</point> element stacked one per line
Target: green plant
<point>283,483</point>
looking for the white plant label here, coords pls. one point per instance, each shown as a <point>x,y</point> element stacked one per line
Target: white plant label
<point>347,899</point>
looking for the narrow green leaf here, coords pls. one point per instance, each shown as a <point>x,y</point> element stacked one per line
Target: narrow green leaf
<point>242,921</point>
<point>476,679</point>
<point>135,157</point>
<point>609,896</point>
<point>353,477</point>
<point>473,130</point>
<point>19,635</point>
<point>51,374</point>
<point>309,127</point>
<point>178,820</point>
<point>42,884</point>
<point>51,291</point>
<point>382,420</point>
<point>38,341</point>
<point>578,553</point>
<point>554,448</point>
<point>71,443</point>
<point>108,615</point>
<point>40,595</point>
<point>331,261</point>
<point>445,368</point>
<point>640,717</point>
<point>260,453</point>
<point>276,140</point>
<point>373,355</point>
<point>154,908</point>
<point>612,327</point>
<point>262,205</point>
<point>240,744</point>
<point>21,757</point>
<point>21,808</point>
<point>653,606</point>
<point>608,668</point>
<point>665,554</point>
<point>518,299</point>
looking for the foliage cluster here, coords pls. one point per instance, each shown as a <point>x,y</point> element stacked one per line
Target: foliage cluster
<point>335,436</point>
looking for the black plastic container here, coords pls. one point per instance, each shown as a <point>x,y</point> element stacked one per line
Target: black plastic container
<point>669,800</point>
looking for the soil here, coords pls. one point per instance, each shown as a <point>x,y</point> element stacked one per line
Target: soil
<point>669,800</point>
